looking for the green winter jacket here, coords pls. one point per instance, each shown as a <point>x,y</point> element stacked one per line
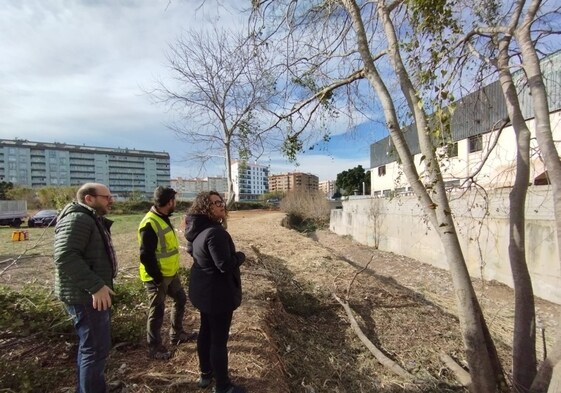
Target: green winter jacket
<point>82,263</point>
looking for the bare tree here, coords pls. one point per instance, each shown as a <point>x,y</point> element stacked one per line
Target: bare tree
<point>350,42</point>
<point>219,88</point>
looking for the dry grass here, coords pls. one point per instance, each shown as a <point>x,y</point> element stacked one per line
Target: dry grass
<point>289,335</point>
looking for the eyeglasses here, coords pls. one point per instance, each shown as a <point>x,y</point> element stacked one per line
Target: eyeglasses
<point>108,197</point>
<point>218,203</point>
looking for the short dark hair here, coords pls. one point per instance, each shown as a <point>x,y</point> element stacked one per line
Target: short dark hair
<point>162,195</point>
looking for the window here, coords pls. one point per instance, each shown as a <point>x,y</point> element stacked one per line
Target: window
<point>475,143</point>
<point>382,170</point>
<point>452,149</point>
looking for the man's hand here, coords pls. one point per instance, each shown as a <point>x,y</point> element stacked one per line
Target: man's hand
<point>102,298</point>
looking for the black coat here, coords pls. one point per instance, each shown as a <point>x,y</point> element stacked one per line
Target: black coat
<point>214,283</point>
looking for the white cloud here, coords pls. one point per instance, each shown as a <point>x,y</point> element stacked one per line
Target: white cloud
<point>77,71</point>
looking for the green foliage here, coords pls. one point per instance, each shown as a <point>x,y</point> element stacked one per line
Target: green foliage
<point>292,145</point>
<point>272,195</point>
<point>352,179</point>
<point>129,312</point>
<point>247,205</point>
<point>31,377</point>
<point>130,207</point>
<point>138,207</point>
<point>247,128</point>
<point>487,11</point>
<point>308,82</point>
<point>55,197</point>
<point>184,275</point>
<point>31,310</point>
<point>435,31</point>
<point>135,196</point>
<point>432,16</point>
<point>4,188</point>
<point>24,194</point>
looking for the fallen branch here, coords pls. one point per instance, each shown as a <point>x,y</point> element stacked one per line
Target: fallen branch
<point>348,294</point>
<point>462,375</point>
<point>379,355</point>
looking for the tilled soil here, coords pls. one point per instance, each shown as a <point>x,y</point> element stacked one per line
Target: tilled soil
<point>291,334</point>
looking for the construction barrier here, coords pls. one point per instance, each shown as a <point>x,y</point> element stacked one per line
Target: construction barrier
<point>20,235</point>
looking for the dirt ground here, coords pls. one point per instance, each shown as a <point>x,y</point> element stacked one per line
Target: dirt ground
<point>291,335</point>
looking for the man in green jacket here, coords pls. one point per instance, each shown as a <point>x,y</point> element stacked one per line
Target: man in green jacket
<point>85,266</point>
<point>159,264</point>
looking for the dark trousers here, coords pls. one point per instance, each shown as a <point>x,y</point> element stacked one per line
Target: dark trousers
<point>170,286</point>
<point>93,328</point>
<point>212,346</point>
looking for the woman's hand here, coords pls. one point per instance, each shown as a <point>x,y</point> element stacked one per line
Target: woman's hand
<point>240,256</point>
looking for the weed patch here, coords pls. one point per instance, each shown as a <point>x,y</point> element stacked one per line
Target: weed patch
<point>129,312</point>
<point>31,310</point>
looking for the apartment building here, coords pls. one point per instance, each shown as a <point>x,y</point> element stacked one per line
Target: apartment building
<point>327,187</point>
<point>293,181</point>
<point>250,180</point>
<point>187,189</point>
<point>124,171</point>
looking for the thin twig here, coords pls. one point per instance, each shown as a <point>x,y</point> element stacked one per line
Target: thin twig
<point>348,293</point>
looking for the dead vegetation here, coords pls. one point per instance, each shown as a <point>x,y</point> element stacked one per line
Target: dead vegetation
<point>290,334</point>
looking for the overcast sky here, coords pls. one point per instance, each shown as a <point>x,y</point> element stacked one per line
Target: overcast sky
<point>76,72</point>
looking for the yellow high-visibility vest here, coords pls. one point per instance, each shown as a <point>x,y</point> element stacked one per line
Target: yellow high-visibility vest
<point>167,250</point>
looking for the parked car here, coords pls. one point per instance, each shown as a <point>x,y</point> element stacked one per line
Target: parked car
<point>43,218</point>
<point>273,201</point>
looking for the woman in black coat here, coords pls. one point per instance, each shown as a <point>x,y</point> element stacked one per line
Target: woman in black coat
<point>214,286</point>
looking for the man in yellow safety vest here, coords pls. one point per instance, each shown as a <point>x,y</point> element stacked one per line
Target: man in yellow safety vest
<point>159,264</point>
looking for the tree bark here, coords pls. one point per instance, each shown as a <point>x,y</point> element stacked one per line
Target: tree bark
<point>524,338</point>
<point>461,375</point>
<point>480,352</point>
<point>544,133</point>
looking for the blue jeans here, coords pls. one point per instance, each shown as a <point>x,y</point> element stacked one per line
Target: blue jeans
<point>94,332</point>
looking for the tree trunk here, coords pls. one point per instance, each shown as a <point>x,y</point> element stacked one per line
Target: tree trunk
<point>228,159</point>
<point>480,353</point>
<point>524,361</point>
<point>544,134</point>
<point>538,93</point>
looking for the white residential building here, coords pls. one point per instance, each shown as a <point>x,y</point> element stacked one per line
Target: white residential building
<point>479,132</point>
<point>250,180</point>
<point>187,189</point>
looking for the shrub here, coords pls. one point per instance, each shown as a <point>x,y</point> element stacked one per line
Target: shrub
<point>134,207</point>
<point>32,310</point>
<point>248,206</point>
<point>306,210</point>
<point>129,312</point>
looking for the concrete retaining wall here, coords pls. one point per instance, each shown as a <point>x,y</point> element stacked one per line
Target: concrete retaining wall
<point>399,225</point>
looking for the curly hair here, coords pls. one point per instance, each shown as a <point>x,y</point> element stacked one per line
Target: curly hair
<point>202,204</point>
